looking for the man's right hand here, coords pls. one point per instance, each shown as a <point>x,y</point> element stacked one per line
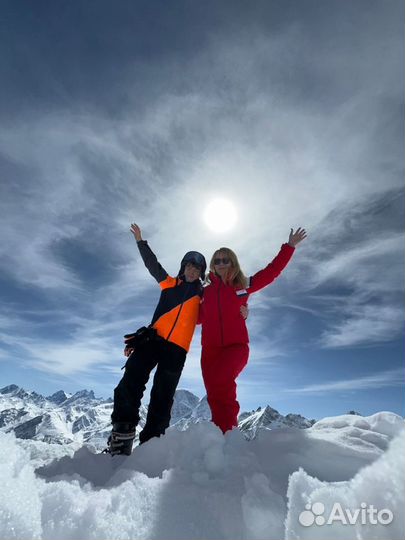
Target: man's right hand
<point>244,311</point>
<point>136,231</point>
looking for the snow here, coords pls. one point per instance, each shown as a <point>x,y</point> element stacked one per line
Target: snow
<point>20,504</point>
<point>269,418</point>
<point>199,484</point>
<point>381,484</point>
<point>82,418</point>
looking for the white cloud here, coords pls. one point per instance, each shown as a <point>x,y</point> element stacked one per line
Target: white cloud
<point>384,379</point>
<point>364,325</point>
<point>370,275</point>
<point>371,265</point>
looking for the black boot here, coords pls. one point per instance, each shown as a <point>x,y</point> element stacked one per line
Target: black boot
<point>121,439</point>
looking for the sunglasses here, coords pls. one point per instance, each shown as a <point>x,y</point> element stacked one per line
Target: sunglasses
<point>223,260</point>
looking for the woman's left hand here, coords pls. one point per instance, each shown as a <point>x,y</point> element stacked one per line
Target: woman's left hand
<point>297,237</point>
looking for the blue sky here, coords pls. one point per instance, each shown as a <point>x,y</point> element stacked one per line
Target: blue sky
<point>113,113</point>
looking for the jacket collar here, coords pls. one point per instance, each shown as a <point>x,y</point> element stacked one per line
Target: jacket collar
<point>214,278</point>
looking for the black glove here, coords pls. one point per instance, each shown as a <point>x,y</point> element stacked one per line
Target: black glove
<point>140,336</point>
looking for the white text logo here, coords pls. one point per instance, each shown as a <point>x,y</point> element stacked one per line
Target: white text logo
<point>346,516</point>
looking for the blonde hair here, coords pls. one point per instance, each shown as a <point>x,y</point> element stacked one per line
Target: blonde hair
<point>234,276</point>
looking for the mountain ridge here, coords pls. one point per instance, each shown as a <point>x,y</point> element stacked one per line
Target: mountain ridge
<point>81,417</point>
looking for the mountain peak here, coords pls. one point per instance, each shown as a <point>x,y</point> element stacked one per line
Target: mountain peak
<point>182,392</point>
<point>89,394</point>
<point>9,389</point>
<point>13,390</point>
<point>269,414</point>
<point>183,405</point>
<point>58,397</point>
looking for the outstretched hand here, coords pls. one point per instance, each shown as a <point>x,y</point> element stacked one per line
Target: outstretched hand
<point>136,231</point>
<point>297,237</point>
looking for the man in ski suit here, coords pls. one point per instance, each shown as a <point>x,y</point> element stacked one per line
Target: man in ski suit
<point>164,344</point>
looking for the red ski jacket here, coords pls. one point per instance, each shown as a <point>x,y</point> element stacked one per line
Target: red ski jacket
<point>222,322</point>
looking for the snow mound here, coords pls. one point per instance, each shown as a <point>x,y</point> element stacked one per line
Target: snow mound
<point>20,504</point>
<point>383,423</point>
<point>199,484</point>
<point>380,486</point>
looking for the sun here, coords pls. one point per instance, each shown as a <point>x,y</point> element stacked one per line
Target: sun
<point>220,215</point>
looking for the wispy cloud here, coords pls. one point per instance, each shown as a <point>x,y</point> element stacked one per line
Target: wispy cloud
<point>368,273</point>
<point>384,379</point>
<point>367,264</point>
<point>364,325</point>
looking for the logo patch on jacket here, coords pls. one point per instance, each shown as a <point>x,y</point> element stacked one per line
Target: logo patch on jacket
<point>242,292</point>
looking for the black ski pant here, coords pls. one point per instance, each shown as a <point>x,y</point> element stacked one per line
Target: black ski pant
<point>169,359</point>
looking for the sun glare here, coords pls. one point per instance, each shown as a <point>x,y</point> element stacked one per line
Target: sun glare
<point>220,215</point>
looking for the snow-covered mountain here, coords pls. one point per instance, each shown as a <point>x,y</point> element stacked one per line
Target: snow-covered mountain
<point>82,418</point>
<point>268,418</point>
<point>60,418</point>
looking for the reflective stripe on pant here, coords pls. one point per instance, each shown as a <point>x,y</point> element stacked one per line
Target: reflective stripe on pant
<point>220,367</point>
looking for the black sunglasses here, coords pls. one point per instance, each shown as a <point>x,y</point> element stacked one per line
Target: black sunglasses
<point>223,260</point>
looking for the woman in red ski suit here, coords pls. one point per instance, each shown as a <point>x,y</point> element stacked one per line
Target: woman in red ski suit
<point>224,335</point>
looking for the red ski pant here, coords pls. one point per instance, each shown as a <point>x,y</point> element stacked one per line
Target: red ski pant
<point>220,367</point>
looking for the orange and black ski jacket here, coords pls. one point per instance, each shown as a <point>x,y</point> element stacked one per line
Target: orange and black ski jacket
<point>176,314</point>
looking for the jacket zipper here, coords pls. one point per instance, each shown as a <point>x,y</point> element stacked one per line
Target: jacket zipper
<point>178,314</point>
<point>220,314</point>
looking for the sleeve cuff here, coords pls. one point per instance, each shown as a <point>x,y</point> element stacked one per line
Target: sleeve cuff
<point>288,246</point>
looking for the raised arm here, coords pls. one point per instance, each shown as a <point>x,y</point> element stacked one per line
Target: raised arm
<point>149,258</point>
<point>273,270</point>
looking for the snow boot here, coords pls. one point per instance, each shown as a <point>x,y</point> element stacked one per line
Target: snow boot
<point>121,439</point>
